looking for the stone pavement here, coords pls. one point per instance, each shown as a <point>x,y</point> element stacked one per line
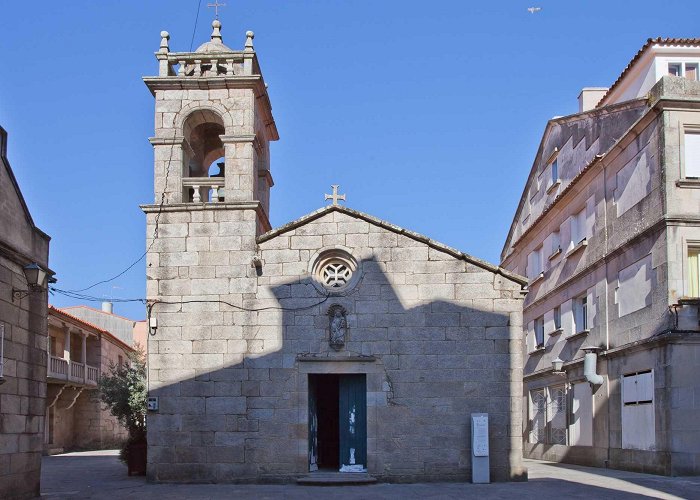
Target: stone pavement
<point>99,474</point>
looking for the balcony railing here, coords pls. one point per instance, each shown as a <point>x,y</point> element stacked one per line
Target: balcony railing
<point>92,374</point>
<point>204,189</point>
<point>77,371</point>
<point>72,371</point>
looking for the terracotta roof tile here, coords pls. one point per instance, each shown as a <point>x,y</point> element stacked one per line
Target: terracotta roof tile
<point>89,325</point>
<point>683,42</point>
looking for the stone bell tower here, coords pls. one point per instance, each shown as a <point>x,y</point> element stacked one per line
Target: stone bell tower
<point>213,127</point>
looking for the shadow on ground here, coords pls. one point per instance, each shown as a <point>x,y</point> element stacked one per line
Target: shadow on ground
<point>100,474</point>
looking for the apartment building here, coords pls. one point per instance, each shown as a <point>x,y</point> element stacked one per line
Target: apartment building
<point>608,233</point>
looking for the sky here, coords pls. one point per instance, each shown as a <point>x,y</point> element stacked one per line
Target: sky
<point>428,115</point>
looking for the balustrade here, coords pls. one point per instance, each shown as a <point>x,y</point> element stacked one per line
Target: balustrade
<point>77,371</point>
<point>92,374</point>
<point>60,368</point>
<point>204,189</point>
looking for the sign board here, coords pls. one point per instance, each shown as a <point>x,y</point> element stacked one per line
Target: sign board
<point>481,472</point>
<point>480,434</point>
<point>152,404</point>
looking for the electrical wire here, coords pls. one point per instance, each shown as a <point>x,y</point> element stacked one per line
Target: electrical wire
<point>194,30</point>
<point>160,207</point>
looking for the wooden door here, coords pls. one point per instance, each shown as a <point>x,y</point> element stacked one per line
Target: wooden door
<point>313,426</point>
<point>353,423</point>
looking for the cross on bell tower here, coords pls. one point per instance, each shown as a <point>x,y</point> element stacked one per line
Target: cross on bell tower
<point>216,6</point>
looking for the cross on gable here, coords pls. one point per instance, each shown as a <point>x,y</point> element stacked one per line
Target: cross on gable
<point>335,196</point>
<point>216,6</point>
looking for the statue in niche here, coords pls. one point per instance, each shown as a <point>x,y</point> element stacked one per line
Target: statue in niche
<point>337,326</point>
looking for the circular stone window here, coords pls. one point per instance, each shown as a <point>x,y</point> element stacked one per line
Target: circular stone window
<point>335,270</point>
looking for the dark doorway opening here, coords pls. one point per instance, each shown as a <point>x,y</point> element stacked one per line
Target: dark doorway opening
<point>338,422</point>
<point>327,406</point>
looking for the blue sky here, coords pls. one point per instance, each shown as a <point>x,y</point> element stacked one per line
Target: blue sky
<point>427,114</point>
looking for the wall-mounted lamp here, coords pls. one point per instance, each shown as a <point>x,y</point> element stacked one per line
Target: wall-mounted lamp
<point>36,279</point>
<point>557,367</point>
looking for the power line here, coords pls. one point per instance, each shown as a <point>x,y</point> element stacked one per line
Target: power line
<point>160,206</point>
<point>194,30</point>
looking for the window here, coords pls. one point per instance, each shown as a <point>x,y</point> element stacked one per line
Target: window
<point>555,171</point>
<point>578,227</point>
<point>692,154</point>
<point>693,286</point>
<point>534,264</point>
<point>580,314</point>
<point>335,270</point>
<point>539,332</point>
<point>557,318</point>
<point>548,415</point>
<point>555,244</point>
<point>538,410</point>
<point>121,361</point>
<point>638,428</point>
<point>675,69</point>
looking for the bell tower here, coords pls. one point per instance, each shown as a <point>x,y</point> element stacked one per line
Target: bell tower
<point>213,127</point>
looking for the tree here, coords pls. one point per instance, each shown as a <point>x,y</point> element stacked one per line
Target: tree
<point>123,389</point>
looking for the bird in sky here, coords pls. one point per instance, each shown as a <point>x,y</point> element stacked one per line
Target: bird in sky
<point>532,10</point>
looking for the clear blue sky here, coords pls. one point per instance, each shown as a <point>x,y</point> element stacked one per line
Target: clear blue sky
<point>428,114</point>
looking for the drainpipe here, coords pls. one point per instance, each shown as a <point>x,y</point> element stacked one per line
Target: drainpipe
<point>589,365</point>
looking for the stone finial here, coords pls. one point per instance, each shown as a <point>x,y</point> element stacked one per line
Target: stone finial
<point>164,37</point>
<point>216,33</point>
<point>249,35</point>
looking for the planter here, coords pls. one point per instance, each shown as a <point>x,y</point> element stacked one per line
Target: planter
<point>136,458</point>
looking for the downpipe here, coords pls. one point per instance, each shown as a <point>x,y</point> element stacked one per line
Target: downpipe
<point>590,361</point>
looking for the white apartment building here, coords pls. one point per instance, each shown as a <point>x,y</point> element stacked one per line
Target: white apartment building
<point>608,233</point>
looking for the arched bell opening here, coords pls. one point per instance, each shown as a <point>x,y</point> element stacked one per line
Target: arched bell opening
<point>204,165</point>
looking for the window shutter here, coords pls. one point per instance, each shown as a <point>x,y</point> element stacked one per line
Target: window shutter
<point>590,217</point>
<point>590,308</point>
<point>567,318</point>
<point>692,154</point>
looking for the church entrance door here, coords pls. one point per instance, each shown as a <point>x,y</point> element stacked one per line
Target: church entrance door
<point>338,422</point>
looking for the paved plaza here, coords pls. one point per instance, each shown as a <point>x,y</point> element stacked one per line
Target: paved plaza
<point>100,474</point>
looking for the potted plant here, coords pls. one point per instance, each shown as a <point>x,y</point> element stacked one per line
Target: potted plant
<point>123,389</point>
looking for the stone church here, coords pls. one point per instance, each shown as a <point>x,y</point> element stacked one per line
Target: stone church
<point>337,342</point>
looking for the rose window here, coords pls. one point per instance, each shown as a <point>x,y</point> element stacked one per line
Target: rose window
<point>334,270</point>
<point>336,274</point>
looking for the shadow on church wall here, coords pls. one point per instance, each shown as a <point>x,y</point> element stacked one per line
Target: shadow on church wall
<point>429,364</point>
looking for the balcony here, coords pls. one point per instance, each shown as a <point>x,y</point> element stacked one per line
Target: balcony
<point>72,371</point>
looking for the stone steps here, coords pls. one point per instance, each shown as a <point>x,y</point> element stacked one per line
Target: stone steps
<point>336,479</point>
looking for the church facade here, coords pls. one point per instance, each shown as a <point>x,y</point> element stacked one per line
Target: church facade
<point>338,342</point>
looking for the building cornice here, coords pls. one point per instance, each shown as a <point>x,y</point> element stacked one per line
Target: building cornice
<point>198,207</point>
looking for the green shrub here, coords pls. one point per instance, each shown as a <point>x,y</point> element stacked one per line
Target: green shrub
<point>123,389</point>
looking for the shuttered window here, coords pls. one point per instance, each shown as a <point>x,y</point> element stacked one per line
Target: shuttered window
<point>692,154</point>
<point>693,286</point>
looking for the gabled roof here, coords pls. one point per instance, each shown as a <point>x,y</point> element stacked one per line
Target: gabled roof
<point>682,42</point>
<point>393,228</point>
<point>86,324</point>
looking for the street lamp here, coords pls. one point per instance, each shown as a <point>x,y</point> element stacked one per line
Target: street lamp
<point>557,365</point>
<point>35,276</point>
